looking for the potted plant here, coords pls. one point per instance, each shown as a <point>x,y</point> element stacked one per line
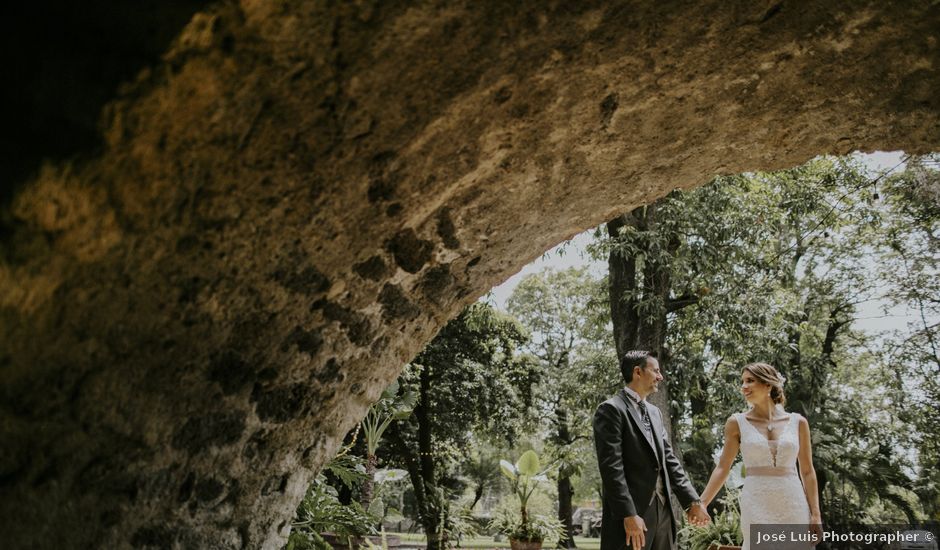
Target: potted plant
<point>525,531</point>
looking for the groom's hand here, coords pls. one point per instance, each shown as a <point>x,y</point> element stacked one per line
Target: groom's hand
<point>698,515</point>
<point>635,528</point>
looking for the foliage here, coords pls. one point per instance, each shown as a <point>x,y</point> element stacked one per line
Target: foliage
<point>475,381</point>
<point>912,250</point>
<point>724,529</point>
<point>480,468</point>
<point>458,523</point>
<point>472,387</point>
<point>348,468</point>
<point>539,528</point>
<point>566,314</point>
<point>385,479</point>
<point>540,509</point>
<point>524,477</point>
<point>321,511</point>
<point>391,406</point>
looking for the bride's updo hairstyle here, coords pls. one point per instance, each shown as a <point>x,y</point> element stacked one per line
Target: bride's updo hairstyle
<point>769,375</point>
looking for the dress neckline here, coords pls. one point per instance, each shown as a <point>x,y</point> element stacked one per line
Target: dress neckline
<point>771,451</point>
<point>764,437</point>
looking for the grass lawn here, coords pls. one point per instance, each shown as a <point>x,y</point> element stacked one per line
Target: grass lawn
<point>487,542</point>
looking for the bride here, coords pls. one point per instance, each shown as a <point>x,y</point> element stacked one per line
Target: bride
<point>772,442</point>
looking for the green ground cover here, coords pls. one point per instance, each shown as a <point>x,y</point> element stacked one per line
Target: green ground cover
<point>583,543</point>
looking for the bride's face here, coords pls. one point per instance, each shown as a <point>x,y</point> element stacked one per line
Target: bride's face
<point>754,390</point>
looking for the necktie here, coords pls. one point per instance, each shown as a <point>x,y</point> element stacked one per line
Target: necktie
<point>646,416</point>
<point>658,492</point>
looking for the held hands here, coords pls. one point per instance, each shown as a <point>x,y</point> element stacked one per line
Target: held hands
<point>635,528</point>
<point>698,515</point>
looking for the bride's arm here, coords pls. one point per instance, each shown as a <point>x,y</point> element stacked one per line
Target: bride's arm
<point>808,472</point>
<point>728,454</point>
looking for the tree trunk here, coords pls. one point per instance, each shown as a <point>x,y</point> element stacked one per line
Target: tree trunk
<point>431,514</point>
<point>565,511</point>
<point>622,283</point>
<point>368,485</point>
<point>633,288</point>
<point>563,439</point>
<point>400,447</point>
<point>477,495</point>
<point>420,464</point>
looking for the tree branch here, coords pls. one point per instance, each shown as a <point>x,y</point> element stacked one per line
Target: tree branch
<point>684,301</point>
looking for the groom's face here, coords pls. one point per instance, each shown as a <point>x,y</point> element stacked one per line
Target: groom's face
<point>650,376</point>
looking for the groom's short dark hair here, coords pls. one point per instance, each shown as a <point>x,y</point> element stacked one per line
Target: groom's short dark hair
<point>631,359</point>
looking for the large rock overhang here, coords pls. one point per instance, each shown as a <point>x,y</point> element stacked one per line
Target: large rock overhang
<point>291,203</point>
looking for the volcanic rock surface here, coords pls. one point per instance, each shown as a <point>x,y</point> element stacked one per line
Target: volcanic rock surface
<point>293,197</point>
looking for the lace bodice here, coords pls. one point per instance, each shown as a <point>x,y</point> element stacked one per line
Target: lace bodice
<point>758,451</point>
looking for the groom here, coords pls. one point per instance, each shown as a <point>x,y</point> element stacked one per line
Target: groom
<point>638,468</point>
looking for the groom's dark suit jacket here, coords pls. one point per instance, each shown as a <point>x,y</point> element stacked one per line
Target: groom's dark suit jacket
<point>629,466</point>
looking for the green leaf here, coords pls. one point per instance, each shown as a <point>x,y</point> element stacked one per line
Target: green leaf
<point>507,469</point>
<point>528,463</point>
<point>348,468</point>
<point>389,474</point>
<point>407,401</point>
<point>391,390</point>
<point>377,507</point>
<point>401,414</point>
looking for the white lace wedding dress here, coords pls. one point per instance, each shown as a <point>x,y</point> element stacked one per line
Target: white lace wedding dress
<point>773,492</point>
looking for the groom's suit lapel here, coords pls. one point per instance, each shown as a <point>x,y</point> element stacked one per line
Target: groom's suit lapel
<point>638,420</point>
<point>657,423</point>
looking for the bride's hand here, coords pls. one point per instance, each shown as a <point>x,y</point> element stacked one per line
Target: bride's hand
<point>815,528</point>
<point>697,515</point>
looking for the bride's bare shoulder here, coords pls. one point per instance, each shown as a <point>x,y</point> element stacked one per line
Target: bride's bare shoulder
<point>804,423</point>
<point>731,425</point>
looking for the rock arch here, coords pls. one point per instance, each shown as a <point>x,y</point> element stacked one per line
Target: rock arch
<point>291,203</point>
